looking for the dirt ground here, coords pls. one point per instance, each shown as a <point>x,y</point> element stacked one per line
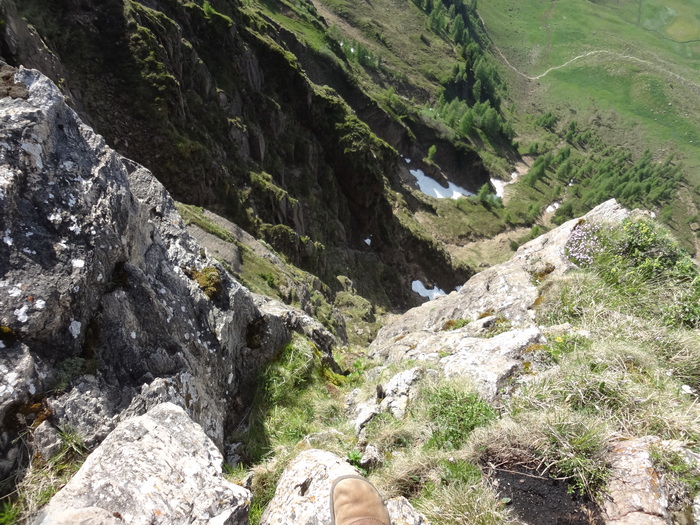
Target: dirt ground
<point>538,501</point>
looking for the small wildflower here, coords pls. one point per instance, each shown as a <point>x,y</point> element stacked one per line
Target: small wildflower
<point>583,244</point>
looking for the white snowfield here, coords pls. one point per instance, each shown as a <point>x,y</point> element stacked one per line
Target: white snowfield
<point>431,187</point>
<point>420,289</point>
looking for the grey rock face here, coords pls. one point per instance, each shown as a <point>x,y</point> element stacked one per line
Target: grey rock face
<point>504,293</point>
<point>102,290</point>
<point>156,468</point>
<point>393,397</point>
<point>303,493</point>
<point>506,289</point>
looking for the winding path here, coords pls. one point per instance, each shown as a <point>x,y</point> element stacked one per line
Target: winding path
<point>693,86</point>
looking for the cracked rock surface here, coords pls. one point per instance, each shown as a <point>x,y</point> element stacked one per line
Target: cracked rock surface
<point>156,468</point>
<point>104,307</point>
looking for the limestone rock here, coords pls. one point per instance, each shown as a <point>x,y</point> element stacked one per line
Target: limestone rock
<point>488,362</point>
<point>364,413</point>
<point>371,457</point>
<point>394,397</point>
<point>303,493</point>
<point>399,391</point>
<point>104,295</point>
<point>506,289</point>
<point>403,513</point>
<point>499,299</point>
<point>47,440</point>
<point>156,468</point>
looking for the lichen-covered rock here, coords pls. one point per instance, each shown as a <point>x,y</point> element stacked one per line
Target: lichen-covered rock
<point>399,391</point>
<point>393,397</point>
<point>156,468</point>
<point>303,493</point>
<point>488,361</point>
<point>100,300</point>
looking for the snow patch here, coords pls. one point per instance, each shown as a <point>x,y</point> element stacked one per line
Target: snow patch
<point>78,263</point>
<point>408,161</point>
<point>368,241</point>
<point>7,239</point>
<point>500,187</point>
<point>40,304</point>
<point>133,335</point>
<point>552,207</point>
<point>431,187</point>
<point>15,292</point>
<point>418,287</point>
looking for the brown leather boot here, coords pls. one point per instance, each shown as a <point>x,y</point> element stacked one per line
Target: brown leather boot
<point>355,501</point>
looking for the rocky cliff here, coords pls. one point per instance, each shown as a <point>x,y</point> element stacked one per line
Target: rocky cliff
<point>108,306</point>
<point>219,109</point>
<point>117,326</point>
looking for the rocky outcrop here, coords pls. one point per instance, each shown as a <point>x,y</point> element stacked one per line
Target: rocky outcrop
<point>248,135</point>
<point>303,493</point>
<point>156,468</point>
<point>638,492</point>
<point>107,306</point>
<point>484,330</point>
<point>508,289</point>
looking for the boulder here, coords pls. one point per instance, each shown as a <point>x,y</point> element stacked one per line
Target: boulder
<point>303,493</point>
<point>392,397</point>
<point>156,468</point>
<point>636,495</point>
<point>639,493</point>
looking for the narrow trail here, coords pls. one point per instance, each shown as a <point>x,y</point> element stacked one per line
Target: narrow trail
<point>693,86</point>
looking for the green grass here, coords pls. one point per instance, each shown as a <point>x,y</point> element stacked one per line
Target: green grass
<point>44,478</point>
<point>297,395</point>
<point>455,414</point>
<point>636,88</point>
<point>195,215</point>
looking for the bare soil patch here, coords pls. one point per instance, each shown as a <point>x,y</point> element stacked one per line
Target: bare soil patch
<point>537,500</point>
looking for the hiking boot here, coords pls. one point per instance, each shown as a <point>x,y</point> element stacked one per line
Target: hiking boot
<point>355,501</point>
